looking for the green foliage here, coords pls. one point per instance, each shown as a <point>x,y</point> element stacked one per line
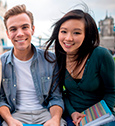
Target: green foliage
<point>114,58</point>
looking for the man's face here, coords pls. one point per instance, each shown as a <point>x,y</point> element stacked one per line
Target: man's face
<point>20,31</point>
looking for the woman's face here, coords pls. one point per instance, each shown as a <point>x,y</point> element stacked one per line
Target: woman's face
<point>71,35</point>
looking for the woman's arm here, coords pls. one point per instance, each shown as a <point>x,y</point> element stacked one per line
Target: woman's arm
<point>107,73</point>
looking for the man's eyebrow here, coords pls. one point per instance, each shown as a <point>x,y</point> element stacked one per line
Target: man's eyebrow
<point>21,26</point>
<point>25,25</point>
<point>11,27</point>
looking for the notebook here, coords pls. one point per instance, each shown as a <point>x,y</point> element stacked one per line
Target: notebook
<point>97,115</point>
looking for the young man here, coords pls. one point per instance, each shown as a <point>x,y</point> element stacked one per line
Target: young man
<point>28,88</point>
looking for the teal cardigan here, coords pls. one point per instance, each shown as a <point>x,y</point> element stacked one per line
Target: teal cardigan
<point>97,83</point>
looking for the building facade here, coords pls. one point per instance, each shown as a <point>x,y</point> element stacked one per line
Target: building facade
<point>107,33</point>
<point>3,37</point>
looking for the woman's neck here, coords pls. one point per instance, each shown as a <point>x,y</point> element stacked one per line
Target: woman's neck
<point>73,68</point>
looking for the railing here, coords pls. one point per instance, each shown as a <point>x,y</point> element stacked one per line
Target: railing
<point>7,48</point>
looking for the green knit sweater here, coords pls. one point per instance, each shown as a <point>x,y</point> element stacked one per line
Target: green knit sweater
<point>97,83</point>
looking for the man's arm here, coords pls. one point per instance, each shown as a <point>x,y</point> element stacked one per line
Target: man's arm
<point>56,113</point>
<point>6,115</point>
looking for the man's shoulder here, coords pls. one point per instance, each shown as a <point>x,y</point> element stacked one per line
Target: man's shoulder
<point>42,51</point>
<point>6,54</point>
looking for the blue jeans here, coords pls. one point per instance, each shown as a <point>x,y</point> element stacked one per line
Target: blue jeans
<point>68,119</point>
<point>1,120</point>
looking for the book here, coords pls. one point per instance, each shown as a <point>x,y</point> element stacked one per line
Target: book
<point>97,115</point>
<point>109,124</point>
<point>32,125</point>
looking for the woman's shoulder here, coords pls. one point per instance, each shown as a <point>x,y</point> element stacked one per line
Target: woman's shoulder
<point>101,51</point>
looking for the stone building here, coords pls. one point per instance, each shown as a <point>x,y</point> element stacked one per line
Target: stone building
<point>107,33</point>
<point>3,37</point>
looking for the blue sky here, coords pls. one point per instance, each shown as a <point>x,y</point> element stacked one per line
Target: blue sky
<point>46,12</point>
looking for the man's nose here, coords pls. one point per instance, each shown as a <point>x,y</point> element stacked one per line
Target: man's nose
<point>20,32</point>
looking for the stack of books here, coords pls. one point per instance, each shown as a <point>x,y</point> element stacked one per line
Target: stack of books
<point>97,115</point>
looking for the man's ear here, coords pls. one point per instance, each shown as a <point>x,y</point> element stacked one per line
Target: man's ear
<point>7,34</point>
<point>33,28</point>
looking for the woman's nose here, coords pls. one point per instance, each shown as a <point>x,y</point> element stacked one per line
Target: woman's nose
<point>69,37</point>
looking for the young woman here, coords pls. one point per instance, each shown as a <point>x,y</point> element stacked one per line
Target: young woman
<point>86,70</point>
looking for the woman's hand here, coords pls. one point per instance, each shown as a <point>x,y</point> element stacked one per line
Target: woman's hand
<point>77,117</point>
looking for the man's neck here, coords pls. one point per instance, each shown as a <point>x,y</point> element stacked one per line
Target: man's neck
<point>23,55</point>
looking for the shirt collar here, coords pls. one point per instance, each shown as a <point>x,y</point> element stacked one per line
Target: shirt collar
<point>10,56</point>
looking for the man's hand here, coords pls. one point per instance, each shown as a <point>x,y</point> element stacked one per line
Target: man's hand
<point>6,115</point>
<point>56,113</point>
<point>14,122</point>
<point>52,122</point>
<point>77,117</point>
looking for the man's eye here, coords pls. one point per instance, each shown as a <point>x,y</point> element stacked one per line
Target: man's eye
<point>13,29</point>
<point>25,27</point>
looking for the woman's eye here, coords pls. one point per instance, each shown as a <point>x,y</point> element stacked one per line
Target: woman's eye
<point>63,32</point>
<point>76,33</point>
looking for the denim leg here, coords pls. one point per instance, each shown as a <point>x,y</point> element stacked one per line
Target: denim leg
<point>68,119</point>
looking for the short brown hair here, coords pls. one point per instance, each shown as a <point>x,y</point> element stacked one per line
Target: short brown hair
<point>18,10</point>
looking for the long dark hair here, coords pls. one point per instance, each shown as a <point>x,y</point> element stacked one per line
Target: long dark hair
<point>90,42</point>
